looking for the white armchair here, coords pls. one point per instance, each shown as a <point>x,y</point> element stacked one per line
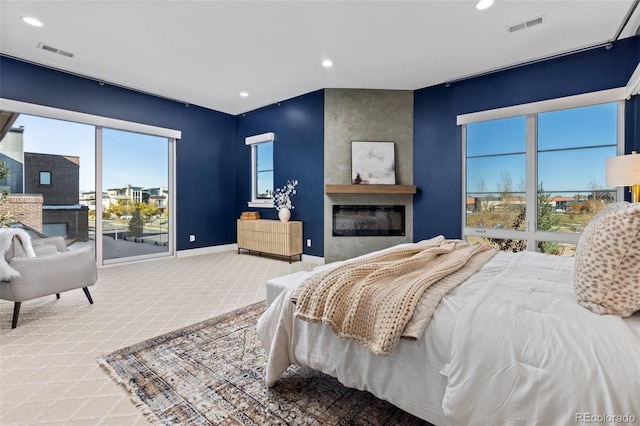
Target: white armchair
<point>54,270</point>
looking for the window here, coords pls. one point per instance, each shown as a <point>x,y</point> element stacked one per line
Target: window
<point>45,178</point>
<point>71,204</point>
<point>533,181</point>
<point>261,169</point>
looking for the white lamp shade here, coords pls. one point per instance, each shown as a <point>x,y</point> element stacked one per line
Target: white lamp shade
<point>623,170</point>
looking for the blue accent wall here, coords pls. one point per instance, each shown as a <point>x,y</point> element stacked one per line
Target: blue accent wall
<point>205,167</point>
<point>298,154</point>
<point>437,139</point>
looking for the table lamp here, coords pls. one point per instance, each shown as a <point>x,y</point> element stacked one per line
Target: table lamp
<point>624,170</point>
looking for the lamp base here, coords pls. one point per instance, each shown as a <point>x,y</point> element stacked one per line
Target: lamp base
<point>635,193</point>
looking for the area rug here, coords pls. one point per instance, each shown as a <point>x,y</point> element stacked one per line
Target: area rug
<point>211,373</point>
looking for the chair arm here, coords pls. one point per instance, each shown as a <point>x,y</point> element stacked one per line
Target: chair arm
<point>51,274</point>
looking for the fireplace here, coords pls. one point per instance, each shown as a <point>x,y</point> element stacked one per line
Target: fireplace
<point>367,220</point>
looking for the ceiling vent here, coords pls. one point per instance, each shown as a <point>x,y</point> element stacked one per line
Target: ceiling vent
<point>524,25</point>
<point>55,50</point>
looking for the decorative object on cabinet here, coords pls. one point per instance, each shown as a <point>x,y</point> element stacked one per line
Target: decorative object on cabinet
<point>250,216</point>
<point>282,200</point>
<point>284,214</point>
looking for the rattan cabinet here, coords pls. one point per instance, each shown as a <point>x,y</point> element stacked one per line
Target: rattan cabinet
<point>270,236</point>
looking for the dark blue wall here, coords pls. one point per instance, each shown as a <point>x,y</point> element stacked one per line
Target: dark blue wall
<point>298,154</point>
<point>205,167</point>
<point>437,139</point>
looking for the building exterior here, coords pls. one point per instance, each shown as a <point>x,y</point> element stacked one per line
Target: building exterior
<point>159,196</point>
<point>57,178</point>
<point>12,153</point>
<point>43,189</point>
<point>128,193</point>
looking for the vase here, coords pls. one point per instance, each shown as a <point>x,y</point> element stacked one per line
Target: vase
<point>284,214</point>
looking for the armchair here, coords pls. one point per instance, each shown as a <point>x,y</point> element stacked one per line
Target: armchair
<point>53,270</point>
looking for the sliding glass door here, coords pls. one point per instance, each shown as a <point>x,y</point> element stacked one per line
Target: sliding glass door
<point>100,186</point>
<point>51,181</point>
<point>135,178</point>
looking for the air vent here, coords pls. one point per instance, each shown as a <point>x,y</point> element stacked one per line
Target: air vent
<point>524,25</point>
<point>55,50</point>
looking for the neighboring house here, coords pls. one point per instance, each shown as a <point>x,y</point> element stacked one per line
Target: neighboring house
<point>57,178</point>
<point>89,199</point>
<point>159,196</point>
<point>128,193</point>
<point>54,179</point>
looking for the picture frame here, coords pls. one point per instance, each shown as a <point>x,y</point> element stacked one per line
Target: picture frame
<point>373,163</point>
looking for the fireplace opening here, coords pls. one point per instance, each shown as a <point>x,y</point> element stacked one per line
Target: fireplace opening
<point>368,220</point>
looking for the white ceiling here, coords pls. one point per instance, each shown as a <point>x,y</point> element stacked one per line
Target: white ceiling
<point>207,52</point>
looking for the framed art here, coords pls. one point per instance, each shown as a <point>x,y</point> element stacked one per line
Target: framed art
<point>373,163</point>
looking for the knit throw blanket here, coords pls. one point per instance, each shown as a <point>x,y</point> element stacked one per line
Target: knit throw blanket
<point>371,300</point>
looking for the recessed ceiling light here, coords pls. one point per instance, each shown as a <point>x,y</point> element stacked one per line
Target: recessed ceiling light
<point>31,21</point>
<point>327,63</point>
<point>484,4</point>
<point>244,94</point>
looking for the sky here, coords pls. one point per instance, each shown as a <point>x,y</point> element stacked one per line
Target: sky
<point>128,158</point>
<point>560,168</point>
<point>264,157</point>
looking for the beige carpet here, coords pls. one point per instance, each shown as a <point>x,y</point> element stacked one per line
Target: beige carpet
<point>48,369</point>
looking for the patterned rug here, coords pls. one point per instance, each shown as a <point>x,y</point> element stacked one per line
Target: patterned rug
<point>211,373</point>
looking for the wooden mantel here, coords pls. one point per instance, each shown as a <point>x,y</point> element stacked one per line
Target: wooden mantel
<point>369,189</point>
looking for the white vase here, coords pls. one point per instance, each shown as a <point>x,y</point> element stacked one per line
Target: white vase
<point>284,214</point>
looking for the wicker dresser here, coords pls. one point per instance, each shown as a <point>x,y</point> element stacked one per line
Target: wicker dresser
<point>271,236</point>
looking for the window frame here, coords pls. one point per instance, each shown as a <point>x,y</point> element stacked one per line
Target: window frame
<point>100,122</point>
<point>530,111</point>
<point>253,142</point>
<point>44,173</point>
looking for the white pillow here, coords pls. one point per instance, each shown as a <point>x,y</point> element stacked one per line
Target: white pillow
<point>607,261</point>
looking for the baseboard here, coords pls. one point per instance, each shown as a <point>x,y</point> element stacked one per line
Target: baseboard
<point>317,260</point>
<point>206,250</point>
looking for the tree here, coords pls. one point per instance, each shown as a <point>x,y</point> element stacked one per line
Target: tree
<point>599,196</point>
<point>483,205</point>
<point>118,209</point>
<point>147,210</point>
<point>135,224</point>
<point>547,221</point>
<point>505,185</point>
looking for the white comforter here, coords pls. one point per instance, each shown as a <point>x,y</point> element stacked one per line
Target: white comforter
<point>509,346</point>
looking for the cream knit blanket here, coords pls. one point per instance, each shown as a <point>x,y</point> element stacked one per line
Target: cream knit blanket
<point>371,300</point>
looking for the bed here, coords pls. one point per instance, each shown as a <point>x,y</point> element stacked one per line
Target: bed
<point>510,345</point>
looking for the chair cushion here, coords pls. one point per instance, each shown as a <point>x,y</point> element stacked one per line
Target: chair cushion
<point>45,250</point>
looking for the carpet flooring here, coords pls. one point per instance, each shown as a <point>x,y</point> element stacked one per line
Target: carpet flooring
<point>211,373</point>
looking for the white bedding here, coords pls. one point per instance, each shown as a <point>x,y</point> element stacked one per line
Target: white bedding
<point>508,346</point>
